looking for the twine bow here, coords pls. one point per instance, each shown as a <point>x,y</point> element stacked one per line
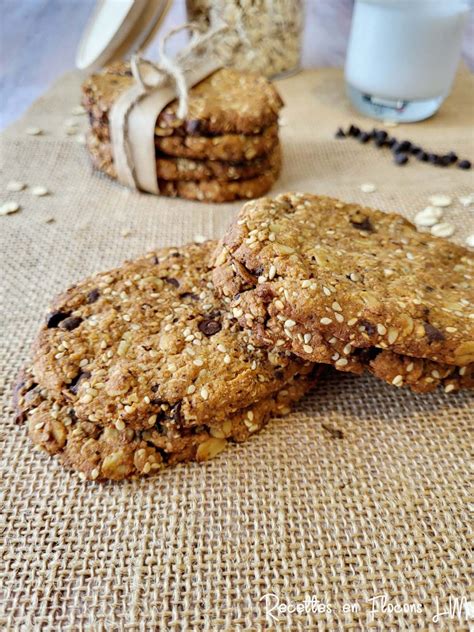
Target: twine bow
<point>174,68</point>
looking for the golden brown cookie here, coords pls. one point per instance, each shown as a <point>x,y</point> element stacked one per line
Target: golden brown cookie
<point>183,169</point>
<point>228,101</point>
<point>150,347</point>
<point>340,283</point>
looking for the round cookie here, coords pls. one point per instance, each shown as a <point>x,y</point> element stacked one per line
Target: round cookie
<point>343,284</point>
<point>151,342</point>
<point>183,169</point>
<point>106,452</point>
<point>228,101</point>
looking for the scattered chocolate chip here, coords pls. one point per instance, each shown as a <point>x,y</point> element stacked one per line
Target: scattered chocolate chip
<point>369,328</point>
<point>154,387</point>
<point>423,156</point>
<point>433,158</point>
<point>452,156</point>
<point>340,133</point>
<point>53,319</point>
<point>379,142</point>
<point>73,386</point>
<point>464,164</point>
<point>334,432</point>
<point>400,159</point>
<point>171,281</point>
<point>391,142</point>
<point>402,146</point>
<point>433,333</point>
<point>362,223</point>
<point>380,134</point>
<point>353,131</point>
<point>93,295</point>
<point>209,327</point>
<point>364,137</point>
<point>415,150</point>
<point>71,323</point>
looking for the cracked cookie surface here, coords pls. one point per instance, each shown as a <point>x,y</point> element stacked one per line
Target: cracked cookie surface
<point>150,344</point>
<point>343,284</point>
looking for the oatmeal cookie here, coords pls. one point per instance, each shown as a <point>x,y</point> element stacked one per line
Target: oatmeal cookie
<point>100,452</point>
<point>151,341</point>
<point>343,284</point>
<point>228,101</point>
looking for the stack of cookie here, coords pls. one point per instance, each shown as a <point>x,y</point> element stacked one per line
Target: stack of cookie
<point>168,359</point>
<point>226,148</point>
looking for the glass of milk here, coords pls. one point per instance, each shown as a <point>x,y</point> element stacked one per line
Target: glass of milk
<point>402,56</point>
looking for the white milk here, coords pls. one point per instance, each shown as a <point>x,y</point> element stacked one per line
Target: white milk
<point>402,51</point>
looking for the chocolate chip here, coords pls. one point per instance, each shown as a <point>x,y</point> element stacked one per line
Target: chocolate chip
<point>369,328</point>
<point>340,133</point>
<point>93,295</point>
<point>392,142</point>
<point>362,223</point>
<point>433,333</point>
<point>415,150</point>
<point>379,142</point>
<point>155,260</point>
<point>400,159</point>
<point>380,134</point>
<point>171,281</point>
<point>209,327</point>
<point>452,156</point>
<point>402,147</point>
<point>423,156</point>
<point>433,158</point>
<point>364,137</point>
<point>154,387</point>
<point>464,164</point>
<point>353,131</point>
<point>191,295</point>
<point>71,323</point>
<point>53,319</point>
<point>73,386</point>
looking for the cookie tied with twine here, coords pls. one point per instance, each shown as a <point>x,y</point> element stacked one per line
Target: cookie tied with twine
<point>133,116</point>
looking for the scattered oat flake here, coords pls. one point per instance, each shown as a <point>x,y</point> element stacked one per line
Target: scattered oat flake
<point>39,191</point>
<point>466,200</point>
<point>9,207</point>
<point>368,187</point>
<point>199,239</point>
<point>33,131</point>
<point>443,229</point>
<point>14,185</point>
<point>440,200</point>
<point>428,216</point>
<point>470,241</point>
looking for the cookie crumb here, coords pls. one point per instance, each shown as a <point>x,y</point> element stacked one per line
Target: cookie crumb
<point>9,208</point>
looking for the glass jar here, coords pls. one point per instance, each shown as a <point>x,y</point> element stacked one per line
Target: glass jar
<point>402,56</point>
<point>264,36</point>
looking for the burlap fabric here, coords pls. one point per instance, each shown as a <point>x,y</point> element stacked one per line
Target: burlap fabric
<point>363,491</point>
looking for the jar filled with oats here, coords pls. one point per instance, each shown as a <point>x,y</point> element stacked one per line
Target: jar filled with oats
<point>264,36</point>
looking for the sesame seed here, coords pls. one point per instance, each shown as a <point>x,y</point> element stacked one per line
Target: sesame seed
<point>381,329</point>
<point>221,348</point>
<point>409,368</point>
<point>279,304</point>
<point>289,323</point>
<point>352,322</point>
<point>451,330</point>
<point>86,399</point>
<point>39,191</point>
<point>94,473</point>
<point>14,186</point>
<point>397,380</point>
<point>198,362</point>
<point>127,318</point>
<point>237,312</point>
<point>347,349</point>
<point>306,283</point>
<point>325,321</point>
<point>368,187</point>
<point>339,317</point>
<point>448,388</point>
<point>326,291</point>
<point>227,359</point>
<point>191,389</point>
<point>307,349</point>
<point>436,374</point>
<point>119,424</point>
<point>271,272</point>
<point>307,338</point>
<point>33,131</point>
<point>392,335</point>
<point>336,307</point>
<point>462,370</point>
<point>204,393</point>
<point>250,415</point>
<point>128,408</point>
<point>342,362</point>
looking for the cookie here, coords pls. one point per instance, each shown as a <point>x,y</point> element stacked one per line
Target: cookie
<point>227,147</point>
<point>100,452</point>
<point>320,277</point>
<point>150,345</point>
<point>183,169</point>
<point>228,101</point>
